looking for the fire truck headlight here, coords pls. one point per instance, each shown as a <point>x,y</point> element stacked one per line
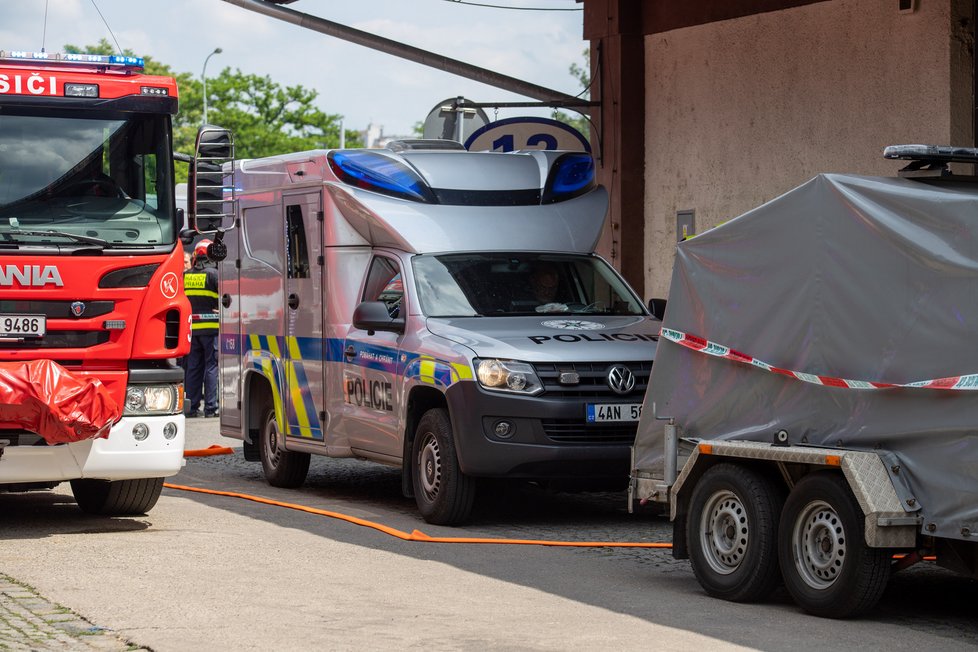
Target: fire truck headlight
<point>508,376</point>
<point>152,399</point>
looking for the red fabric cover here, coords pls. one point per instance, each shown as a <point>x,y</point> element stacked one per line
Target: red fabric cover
<point>44,397</point>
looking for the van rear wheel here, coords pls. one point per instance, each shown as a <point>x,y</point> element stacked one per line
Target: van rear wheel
<point>282,468</point>
<point>444,494</point>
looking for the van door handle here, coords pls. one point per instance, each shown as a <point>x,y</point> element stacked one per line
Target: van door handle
<point>350,352</point>
<point>226,300</point>
<point>293,301</point>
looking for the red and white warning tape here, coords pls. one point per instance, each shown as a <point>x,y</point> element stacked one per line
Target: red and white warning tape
<point>969,382</point>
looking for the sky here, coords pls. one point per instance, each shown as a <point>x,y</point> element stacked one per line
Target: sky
<point>363,85</point>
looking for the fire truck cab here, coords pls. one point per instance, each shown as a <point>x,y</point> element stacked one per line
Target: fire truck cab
<point>91,268</point>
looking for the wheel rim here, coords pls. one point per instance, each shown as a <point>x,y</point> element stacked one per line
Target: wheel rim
<point>270,442</point>
<point>819,542</point>
<point>724,532</point>
<point>429,466</point>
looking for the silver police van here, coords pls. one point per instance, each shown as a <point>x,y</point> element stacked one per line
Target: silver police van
<point>438,310</point>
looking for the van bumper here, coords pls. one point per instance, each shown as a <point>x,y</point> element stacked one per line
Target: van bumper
<point>533,450</point>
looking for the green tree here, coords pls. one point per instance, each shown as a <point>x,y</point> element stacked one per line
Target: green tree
<point>583,76</point>
<point>266,118</point>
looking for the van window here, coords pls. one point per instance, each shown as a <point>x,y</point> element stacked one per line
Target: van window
<point>508,284</point>
<point>298,253</point>
<point>384,283</point>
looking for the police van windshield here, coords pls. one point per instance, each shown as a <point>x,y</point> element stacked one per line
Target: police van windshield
<point>511,284</point>
<point>69,178</point>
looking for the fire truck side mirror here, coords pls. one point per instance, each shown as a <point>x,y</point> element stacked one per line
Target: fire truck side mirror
<point>210,196</point>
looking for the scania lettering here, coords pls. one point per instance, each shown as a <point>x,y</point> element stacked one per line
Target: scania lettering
<point>437,310</point>
<point>90,262</point>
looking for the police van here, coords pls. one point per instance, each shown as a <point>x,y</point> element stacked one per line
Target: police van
<point>438,310</point>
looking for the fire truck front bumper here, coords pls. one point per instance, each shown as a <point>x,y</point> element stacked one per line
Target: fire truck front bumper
<point>137,447</point>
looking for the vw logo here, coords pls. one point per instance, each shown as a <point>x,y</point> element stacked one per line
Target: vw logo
<point>621,380</point>
<point>77,308</point>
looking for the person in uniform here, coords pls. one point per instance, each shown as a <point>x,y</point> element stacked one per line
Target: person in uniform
<point>200,286</point>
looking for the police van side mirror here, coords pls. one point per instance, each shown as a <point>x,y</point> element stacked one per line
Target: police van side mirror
<point>373,316</point>
<point>658,308</point>
<point>210,184</point>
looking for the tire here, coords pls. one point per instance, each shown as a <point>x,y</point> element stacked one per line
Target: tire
<point>443,493</point>
<point>731,533</point>
<point>282,468</point>
<point>828,568</point>
<point>117,497</point>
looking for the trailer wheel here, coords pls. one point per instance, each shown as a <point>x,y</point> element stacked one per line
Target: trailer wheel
<point>731,531</point>
<point>828,568</point>
<point>444,494</point>
<point>282,468</point>
<point>117,497</point>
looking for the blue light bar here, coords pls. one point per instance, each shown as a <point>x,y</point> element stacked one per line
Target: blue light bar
<point>113,60</point>
<point>379,173</point>
<point>571,175</point>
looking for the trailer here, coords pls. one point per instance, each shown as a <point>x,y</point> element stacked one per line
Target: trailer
<point>811,417</point>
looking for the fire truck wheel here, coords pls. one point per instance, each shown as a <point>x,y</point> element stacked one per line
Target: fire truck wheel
<point>828,568</point>
<point>282,468</point>
<point>444,494</point>
<point>731,531</point>
<point>118,497</point>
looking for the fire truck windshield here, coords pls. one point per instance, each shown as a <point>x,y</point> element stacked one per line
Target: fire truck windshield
<point>105,178</point>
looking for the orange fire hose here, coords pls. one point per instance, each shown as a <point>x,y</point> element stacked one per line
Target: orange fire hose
<point>416,535</point>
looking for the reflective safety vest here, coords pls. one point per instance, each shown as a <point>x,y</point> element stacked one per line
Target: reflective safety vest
<point>200,286</point>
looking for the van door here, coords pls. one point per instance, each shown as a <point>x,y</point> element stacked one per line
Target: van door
<point>370,363</point>
<point>231,342</point>
<point>303,354</point>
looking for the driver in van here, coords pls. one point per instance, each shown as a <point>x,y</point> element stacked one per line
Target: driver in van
<point>544,282</point>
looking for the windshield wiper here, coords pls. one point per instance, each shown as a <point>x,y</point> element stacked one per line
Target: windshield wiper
<point>61,234</point>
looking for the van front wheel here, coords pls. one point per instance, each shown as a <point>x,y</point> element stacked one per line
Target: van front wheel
<point>444,494</point>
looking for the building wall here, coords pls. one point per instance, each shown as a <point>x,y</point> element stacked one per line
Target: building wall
<point>740,111</point>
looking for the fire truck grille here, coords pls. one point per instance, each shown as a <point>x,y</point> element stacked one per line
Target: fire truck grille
<point>573,431</point>
<point>59,340</point>
<point>57,309</point>
<point>21,438</point>
<point>593,379</point>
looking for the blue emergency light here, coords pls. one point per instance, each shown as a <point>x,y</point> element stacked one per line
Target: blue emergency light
<point>107,60</point>
<point>571,175</point>
<point>379,173</point>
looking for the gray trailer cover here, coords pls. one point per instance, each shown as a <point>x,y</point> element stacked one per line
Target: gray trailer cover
<point>860,278</point>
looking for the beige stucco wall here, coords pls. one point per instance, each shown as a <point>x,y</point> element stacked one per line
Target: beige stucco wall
<point>740,111</point>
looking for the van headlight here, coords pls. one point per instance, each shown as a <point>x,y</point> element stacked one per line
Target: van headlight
<point>508,376</point>
<point>153,399</point>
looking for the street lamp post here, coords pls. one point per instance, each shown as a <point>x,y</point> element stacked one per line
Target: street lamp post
<point>203,76</point>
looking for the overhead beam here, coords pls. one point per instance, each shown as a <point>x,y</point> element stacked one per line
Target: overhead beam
<point>411,53</point>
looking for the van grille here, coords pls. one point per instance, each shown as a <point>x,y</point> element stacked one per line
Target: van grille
<point>593,379</point>
<point>573,431</point>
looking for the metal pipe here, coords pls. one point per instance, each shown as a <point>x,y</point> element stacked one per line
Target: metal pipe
<point>408,52</point>
<point>671,452</point>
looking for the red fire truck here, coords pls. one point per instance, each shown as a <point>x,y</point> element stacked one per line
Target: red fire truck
<point>92,310</point>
